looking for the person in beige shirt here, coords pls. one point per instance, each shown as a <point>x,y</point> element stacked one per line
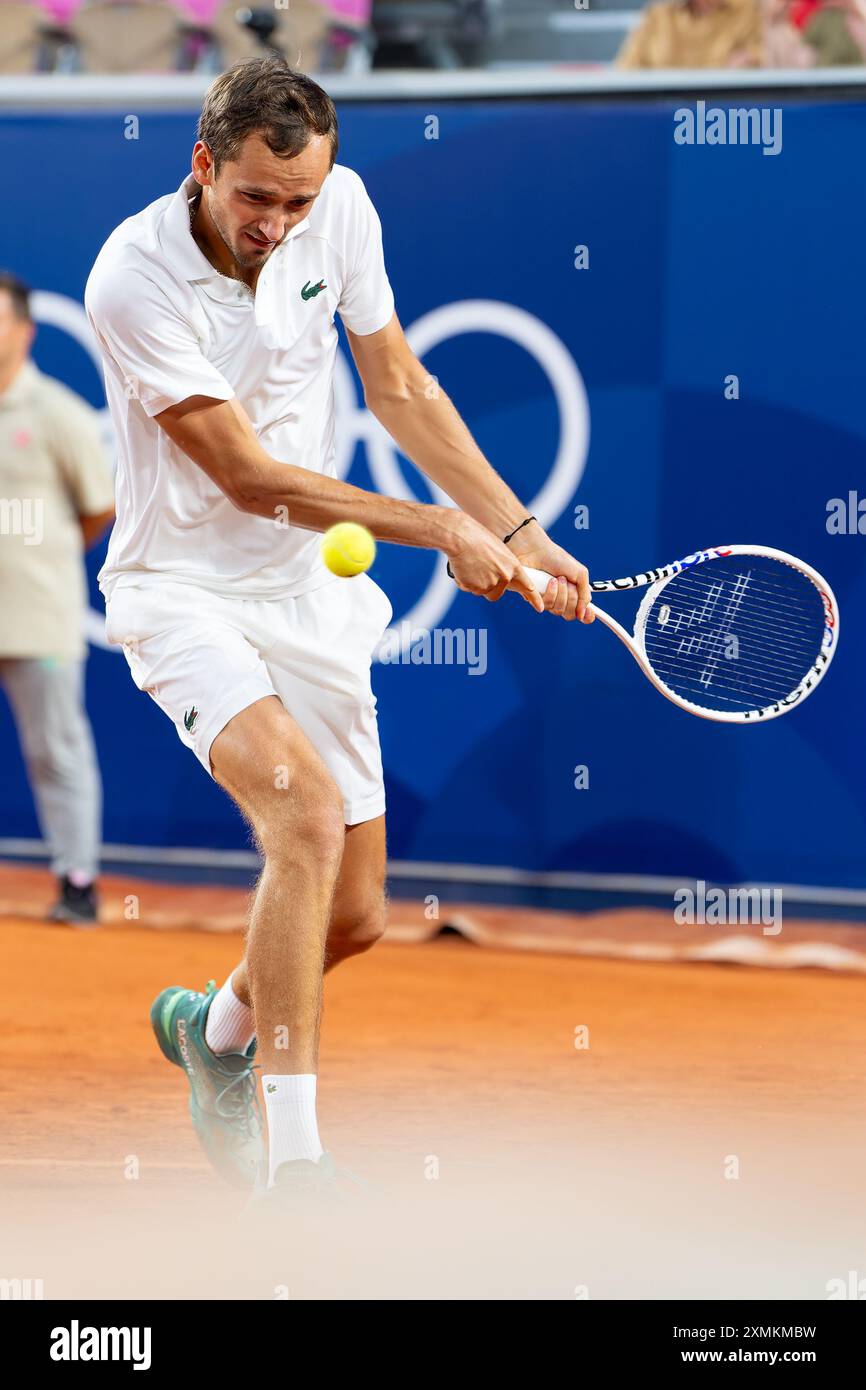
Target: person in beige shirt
<point>696,34</point>
<point>56,499</point>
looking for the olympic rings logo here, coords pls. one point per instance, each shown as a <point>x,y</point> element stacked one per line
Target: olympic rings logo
<point>355,424</point>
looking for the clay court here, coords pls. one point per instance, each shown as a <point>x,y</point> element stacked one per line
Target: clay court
<point>504,1160</point>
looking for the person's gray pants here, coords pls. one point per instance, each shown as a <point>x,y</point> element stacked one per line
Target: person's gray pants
<point>47,699</point>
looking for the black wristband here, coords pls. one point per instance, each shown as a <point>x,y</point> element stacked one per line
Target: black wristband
<point>513,533</point>
<point>505,540</point>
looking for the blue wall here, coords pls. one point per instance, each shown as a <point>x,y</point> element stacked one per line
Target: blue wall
<point>704,262</point>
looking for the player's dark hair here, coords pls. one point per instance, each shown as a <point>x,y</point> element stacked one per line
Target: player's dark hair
<point>264,96</point>
<point>19,293</point>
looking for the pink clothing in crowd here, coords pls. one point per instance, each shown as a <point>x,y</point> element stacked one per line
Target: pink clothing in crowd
<point>353,12</point>
<point>202,11</point>
<point>61,11</point>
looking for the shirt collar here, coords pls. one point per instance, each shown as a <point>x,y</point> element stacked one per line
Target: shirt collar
<point>183,252</point>
<point>22,384</point>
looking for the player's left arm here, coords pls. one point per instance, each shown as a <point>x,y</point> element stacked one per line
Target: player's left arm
<point>423,422</point>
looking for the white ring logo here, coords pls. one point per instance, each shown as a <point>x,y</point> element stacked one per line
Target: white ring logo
<point>356,425</point>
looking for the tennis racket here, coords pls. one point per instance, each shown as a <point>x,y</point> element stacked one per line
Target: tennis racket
<point>739,634</point>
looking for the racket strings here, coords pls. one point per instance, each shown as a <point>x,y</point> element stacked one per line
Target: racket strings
<point>712,683</point>
<point>713,674</point>
<point>740,633</point>
<point>776,602</point>
<point>790,628</point>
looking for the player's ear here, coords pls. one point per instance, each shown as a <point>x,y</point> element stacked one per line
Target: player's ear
<point>203,162</point>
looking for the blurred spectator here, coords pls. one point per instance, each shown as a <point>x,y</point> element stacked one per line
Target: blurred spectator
<point>784,46</point>
<point>695,34</point>
<point>56,498</point>
<point>836,32</point>
<point>125,36</point>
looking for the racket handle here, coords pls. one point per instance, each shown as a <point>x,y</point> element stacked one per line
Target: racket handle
<point>539,579</point>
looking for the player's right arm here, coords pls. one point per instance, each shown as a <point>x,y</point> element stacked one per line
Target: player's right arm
<point>219,437</point>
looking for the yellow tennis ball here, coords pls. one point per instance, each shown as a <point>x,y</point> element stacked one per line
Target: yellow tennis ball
<point>348,549</point>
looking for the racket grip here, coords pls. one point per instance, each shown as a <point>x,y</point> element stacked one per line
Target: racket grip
<point>539,579</point>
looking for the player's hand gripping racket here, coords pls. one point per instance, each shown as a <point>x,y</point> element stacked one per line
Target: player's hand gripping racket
<point>739,634</point>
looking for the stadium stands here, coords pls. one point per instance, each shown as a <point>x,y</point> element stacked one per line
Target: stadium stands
<point>134,36</point>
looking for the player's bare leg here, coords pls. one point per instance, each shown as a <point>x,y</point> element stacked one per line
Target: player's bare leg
<point>359,908</point>
<point>280,783</point>
<point>297,819</point>
<point>320,899</point>
<point>357,920</point>
<point>359,905</point>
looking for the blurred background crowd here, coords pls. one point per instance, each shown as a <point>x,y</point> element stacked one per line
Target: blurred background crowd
<point>152,36</point>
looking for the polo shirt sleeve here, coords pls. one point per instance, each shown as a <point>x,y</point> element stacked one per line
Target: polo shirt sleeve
<point>150,342</point>
<point>367,300</point>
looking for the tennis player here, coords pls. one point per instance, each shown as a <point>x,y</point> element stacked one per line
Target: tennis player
<point>214,311</point>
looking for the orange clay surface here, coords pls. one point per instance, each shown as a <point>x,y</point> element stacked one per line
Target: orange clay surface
<point>706,1139</point>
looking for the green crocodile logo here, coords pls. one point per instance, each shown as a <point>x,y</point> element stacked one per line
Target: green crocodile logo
<point>189,718</point>
<point>310,291</point>
<point>271,1087</point>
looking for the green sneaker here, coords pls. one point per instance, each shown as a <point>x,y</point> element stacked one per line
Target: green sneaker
<point>223,1101</point>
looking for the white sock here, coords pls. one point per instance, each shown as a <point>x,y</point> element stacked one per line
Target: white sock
<point>291,1105</point>
<point>229,1026</point>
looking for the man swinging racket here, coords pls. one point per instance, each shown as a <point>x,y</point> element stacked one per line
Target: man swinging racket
<point>214,312</point>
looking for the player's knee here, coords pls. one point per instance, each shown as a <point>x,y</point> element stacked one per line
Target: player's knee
<point>306,818</point>
<point>356,930</point>
<point>321,826</point>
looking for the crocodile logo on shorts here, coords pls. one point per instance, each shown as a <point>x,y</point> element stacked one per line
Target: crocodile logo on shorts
<point>310,291</point>
<point>189,718</point>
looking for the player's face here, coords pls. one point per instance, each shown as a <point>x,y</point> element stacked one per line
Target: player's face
<point>256,199</point>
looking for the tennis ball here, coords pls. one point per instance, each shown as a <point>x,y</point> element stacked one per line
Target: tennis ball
<point>348,549</point>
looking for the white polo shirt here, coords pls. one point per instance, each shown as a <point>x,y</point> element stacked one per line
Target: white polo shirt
<point>170,326</point>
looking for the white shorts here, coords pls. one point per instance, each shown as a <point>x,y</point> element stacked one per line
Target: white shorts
<point>203,658</point>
